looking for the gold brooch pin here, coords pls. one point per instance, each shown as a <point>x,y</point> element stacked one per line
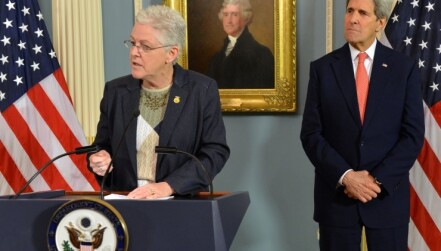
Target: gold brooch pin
<point>177,99</point>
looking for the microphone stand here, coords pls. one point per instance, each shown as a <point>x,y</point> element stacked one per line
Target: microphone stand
<point>79,150</point>
<point>173,150</point>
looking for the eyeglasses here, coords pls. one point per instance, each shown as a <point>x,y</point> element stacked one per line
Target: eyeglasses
<point>144,48</point>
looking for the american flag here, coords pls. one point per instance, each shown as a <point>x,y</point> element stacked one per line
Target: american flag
<point>37,121</point>
<point>414,28</point>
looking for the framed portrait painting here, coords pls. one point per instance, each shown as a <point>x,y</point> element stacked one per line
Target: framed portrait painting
<point>264,83</point>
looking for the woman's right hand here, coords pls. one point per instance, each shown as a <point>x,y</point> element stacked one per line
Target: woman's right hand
<point>99,162</point>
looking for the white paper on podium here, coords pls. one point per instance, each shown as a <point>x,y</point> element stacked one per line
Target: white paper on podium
<point>124,197</point>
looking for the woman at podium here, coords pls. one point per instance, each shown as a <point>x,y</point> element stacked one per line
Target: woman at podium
<point>159,103</point>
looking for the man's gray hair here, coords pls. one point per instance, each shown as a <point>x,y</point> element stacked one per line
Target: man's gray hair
<point>169,23</point>
<point>245,7</point>
<point>382,8</point>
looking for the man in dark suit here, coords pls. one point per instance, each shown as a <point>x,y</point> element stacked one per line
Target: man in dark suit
<point>242,62</point>
<point>363,148</point>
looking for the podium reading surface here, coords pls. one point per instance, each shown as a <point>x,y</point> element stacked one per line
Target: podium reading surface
<point>183,223</point>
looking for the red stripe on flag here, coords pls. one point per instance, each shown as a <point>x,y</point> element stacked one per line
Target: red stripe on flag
<point>431,166</point>
<point>424,222</point>
<point>60,129</point>
<point>58,74</point>
<point>10,170</point>
<point>33,148</point>
<point>52,117</point>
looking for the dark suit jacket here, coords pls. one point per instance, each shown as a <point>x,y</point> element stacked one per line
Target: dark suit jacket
<point>192,123</point>
<point>249,65</point>
<point>386,145</point>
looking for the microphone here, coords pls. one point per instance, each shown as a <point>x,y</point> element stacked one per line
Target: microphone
<point>87,149</point>
<point>134,115</point>
<point>78,150</point>
<point>173,150</point>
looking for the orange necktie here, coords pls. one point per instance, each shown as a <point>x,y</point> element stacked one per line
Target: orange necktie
<point>362,83</point>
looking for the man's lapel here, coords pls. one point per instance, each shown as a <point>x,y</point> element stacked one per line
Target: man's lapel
<point>344,73</point>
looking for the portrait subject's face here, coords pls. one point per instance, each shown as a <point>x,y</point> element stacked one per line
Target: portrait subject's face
<point>232,20</point>
<point>361,23</point>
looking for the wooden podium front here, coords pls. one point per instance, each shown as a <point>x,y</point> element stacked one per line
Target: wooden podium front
<point>183,223</point>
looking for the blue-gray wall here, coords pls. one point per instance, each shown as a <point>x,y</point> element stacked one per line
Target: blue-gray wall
<point>267,159</point>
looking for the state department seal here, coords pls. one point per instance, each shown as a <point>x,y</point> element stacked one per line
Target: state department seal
<point>87,224</point>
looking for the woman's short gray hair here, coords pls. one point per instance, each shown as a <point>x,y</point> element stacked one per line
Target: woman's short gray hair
<point>245,7</point>
<point>169,23</point>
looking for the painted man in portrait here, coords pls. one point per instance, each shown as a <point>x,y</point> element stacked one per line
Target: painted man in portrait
<point>242,62</point>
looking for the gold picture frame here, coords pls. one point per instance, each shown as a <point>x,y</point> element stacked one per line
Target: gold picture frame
<point>329,23</point>
<point>282,98</point>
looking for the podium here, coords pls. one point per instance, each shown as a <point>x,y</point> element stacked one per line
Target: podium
<point>183,223</point>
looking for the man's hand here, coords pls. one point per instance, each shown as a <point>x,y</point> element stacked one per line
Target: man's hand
<point>360,185</point>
